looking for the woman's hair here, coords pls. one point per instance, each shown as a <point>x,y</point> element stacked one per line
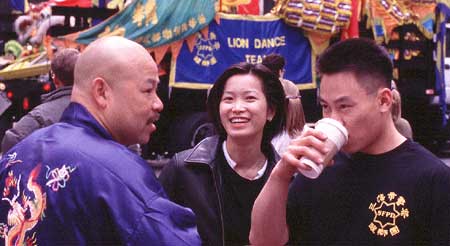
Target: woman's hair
<point>272,89</point>
<point>295,116</point>
<point>401,124</point>
<point>274,62</point>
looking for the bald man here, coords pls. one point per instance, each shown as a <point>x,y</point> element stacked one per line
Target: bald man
<point>75,182</point>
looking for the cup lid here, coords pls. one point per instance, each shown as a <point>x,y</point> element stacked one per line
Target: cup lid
<point>335,123</point>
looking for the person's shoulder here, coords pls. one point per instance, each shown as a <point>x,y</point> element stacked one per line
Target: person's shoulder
<point>69,141</point>
<point>62,92</point>
<point>418,151</point>
<point>203,152</point>
<point>61,100</point>
<point>404,127</point>
<point>50,110</point>
<point>422,159</point>
<point>114,162</point>
<point>280,139</point>
<point>288,83</point>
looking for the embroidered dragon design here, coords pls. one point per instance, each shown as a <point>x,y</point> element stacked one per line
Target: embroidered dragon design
<point>24,213</point>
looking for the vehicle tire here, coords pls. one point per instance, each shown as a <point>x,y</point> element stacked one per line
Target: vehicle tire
<point>188,130</point>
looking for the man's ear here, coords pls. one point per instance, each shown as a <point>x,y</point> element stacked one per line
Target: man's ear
<point>58,83</point>
<point>101,92</point>
<point>385,99</point>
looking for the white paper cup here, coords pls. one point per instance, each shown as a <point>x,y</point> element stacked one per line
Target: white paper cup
<point>337,137</point>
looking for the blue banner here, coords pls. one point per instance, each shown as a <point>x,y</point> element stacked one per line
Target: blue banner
<point>236,39</point>
<point>19,5</point>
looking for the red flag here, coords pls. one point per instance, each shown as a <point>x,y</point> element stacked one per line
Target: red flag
<point>249,9</point>
<point>353,29</point>
<point>74,3</point>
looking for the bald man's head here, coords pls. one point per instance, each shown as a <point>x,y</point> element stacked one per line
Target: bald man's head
<point>111,58</point>
<point>116,81</point>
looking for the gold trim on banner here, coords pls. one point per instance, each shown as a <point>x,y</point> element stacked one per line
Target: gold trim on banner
<point>185,85</point>
<point>248,17</point>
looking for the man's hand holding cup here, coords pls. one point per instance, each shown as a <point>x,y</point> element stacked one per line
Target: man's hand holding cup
<point>312,150</point>
<point>336,137</point>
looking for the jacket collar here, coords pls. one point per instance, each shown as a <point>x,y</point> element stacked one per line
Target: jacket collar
<point>76,114</point>
<point>60,92</point>
<point>204,152</point>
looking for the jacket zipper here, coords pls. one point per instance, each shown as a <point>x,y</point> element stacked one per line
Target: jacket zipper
<point>220,206</point>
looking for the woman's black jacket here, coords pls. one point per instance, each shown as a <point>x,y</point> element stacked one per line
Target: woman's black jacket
<point>193,179</point>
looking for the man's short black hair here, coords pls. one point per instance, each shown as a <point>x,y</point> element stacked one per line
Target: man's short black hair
<point>367,61</point>
<point>63,65</point>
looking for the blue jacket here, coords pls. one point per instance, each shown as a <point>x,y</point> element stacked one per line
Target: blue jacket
<point>72,184</point>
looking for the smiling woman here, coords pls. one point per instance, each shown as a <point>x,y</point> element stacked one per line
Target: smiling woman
<point>220,178</point>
